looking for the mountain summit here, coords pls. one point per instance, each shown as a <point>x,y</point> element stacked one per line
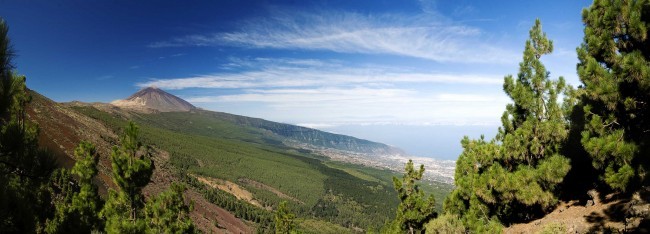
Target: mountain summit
<point>155,99</point>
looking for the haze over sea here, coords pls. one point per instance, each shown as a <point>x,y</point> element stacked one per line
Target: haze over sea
<point>431,141</point>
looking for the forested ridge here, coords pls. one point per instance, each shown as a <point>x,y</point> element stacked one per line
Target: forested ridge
<point>323,190</point>
<point>299,134</point>
<point>555,143</point>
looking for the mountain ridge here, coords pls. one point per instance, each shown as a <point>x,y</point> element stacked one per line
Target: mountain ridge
<point>334,146</point>
<point>313,137</point>
<point>153,98</point>
<point>62,128</point>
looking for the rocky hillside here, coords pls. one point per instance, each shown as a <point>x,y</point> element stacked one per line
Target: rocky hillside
<point>62,128</point>
<point>64,125</point>
<point>154,99</point>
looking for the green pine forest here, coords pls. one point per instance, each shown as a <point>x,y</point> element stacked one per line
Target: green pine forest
<point>555,143</point>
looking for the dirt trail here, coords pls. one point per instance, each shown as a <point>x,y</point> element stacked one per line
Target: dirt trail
<point>611,215</point>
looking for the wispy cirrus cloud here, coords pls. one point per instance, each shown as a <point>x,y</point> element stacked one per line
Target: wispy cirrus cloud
<point>308,95</point>
<point>273,73</point>
<point>357,105</point>
<point>422,36</point>
<point>361,95</point>
<point>335,92</point>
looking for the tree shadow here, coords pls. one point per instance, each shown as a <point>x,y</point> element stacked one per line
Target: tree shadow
<point>644,192</point>
<point>582,176</point>
<point>599,224</point>
<point>644,227</point>
<point>618,212</point>
<point>596,219</point>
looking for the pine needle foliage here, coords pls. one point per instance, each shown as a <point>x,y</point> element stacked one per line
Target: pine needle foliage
<point>168,213</point>
<point>24,167</point>
<point>78,210</point>
<point>132,171</point>
<point>414,209</point>
<point>615,70</point>
<point>513,177</point>
<point>285,221</point>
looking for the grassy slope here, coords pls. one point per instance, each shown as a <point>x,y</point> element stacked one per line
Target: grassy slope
<point>210,146</point>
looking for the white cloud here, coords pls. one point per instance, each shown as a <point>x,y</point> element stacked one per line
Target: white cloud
<point>308,96</point>
<point>317,125</point>
<point>300,73</point>
<point>332,92</point>
<point>337,106</point>
<point>316,95</point>
<point>424,36</point>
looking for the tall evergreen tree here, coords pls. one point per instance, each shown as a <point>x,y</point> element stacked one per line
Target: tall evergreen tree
<point>615,69</point>
<point>285,221</point>
<point>7,82</point>
<point>24,168</point>
<point>78,213</point>
<point>62,189</point>
<point>87,201</point>
<point>512,177</point>
<point>414,209</point>
<point>132,171</point>
<point>168,213</point>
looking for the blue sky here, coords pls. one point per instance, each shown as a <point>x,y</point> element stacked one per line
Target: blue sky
<point>323,64</point>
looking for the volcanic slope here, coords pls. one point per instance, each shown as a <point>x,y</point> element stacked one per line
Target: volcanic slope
<point>232,150</point>
<point>62,128</point>
<point>256,159</point>
<point>154,99</point>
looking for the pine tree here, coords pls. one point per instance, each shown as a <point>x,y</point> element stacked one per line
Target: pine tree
<point>285,221</point>
<point>62,189</point>
<point>512,178</point>
<point>24,168</point>
<point>168,213</point>
<point>465,200</point>
<point>534,128</point>
<point>7,85</point>
<point>131,172</point>
<point>414,210</point>
<point>615,69</point>
<point>87,201</point>
<point>79,212</point>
